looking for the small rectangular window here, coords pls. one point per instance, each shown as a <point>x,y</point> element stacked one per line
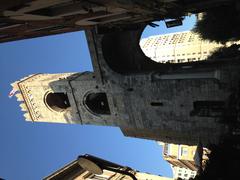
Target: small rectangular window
<point>166,149</point>
<point>156,103</point>
<point>208,108</point>
<point>184,151</point>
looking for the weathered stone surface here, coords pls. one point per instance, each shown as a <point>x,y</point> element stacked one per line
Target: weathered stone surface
<point>165,102</point>
<point>145,99</point>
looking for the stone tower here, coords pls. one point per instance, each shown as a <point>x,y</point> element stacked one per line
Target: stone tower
<point>42,101</point>
<point>57,98</point>
<point>180,103</point>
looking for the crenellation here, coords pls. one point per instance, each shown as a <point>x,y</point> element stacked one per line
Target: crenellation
<point>19,97</point>
<point>27,117</point>
<point>23,107</point>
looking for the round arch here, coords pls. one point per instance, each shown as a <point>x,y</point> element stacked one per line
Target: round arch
<point>57,101</point>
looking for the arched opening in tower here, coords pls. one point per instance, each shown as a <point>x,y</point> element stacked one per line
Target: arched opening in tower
<point>172,41</point>
<point>97,103</point>
<point>133,51</point>
<point>57,101</point>
<point>123,54</point>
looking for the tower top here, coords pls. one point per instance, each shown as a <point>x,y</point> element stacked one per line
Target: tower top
<point>44,97</point>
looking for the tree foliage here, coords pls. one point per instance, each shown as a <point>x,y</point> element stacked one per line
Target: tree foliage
<point>220,24</point>
<point>226,52</point>
<point>224,161</point>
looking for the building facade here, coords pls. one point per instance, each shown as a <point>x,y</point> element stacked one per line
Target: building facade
<point>75,171</point>
<point>183,173</point>
<point>33,18</point>
<point>180,47</point>
<point>182,159</point>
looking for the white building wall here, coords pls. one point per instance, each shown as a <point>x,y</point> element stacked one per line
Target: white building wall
<point>183,173</point>
<point>177,47</point>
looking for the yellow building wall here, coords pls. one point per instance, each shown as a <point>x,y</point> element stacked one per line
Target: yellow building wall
<point>183,152</point>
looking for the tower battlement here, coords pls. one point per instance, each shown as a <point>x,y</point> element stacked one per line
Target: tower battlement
<point>43,100</point>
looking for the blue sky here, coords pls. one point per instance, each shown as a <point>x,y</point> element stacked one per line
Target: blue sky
<point>31,151</point>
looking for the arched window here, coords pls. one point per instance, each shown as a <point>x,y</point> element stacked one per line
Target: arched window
<point>97,103</point>
<point>57,101</point>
